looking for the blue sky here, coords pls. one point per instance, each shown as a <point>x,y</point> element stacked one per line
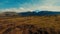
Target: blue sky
<point>18,3</point>
<point>26,5</point>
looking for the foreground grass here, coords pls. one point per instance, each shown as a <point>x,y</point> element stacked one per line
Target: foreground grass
<point>39,21</point>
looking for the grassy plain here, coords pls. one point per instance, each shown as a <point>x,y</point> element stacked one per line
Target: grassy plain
<point>38,21</point>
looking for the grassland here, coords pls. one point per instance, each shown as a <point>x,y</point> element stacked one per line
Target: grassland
<point>38,21</point>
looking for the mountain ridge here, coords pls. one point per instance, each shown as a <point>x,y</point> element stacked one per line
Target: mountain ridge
<point>33,13</point>
<point>39,13</point>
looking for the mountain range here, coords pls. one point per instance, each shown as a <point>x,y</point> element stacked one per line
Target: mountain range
<point>39,13</point>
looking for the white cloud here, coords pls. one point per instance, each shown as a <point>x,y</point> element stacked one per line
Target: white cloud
<point>50,8</point>
<point>48,5</point>
<point>21,9</point>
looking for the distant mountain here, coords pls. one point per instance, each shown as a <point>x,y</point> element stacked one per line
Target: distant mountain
<point>39,13</point>
<point>29,13</point>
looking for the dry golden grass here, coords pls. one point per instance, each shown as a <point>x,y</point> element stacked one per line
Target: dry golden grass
<point>39,21</point>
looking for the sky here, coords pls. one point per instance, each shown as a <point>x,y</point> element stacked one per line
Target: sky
<point>29,5</point>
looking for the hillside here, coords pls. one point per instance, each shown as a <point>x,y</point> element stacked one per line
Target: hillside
<point>30,13</point>
<point>30,25</point>
<point>39,13</point>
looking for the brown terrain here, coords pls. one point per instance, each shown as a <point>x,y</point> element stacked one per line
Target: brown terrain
<point>30,25</point>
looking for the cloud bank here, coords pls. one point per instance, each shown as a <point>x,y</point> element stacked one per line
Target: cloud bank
<point>49,5</point>
<point>41,8</point>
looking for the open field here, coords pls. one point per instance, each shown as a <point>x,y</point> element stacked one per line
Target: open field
<point>30,25</point>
